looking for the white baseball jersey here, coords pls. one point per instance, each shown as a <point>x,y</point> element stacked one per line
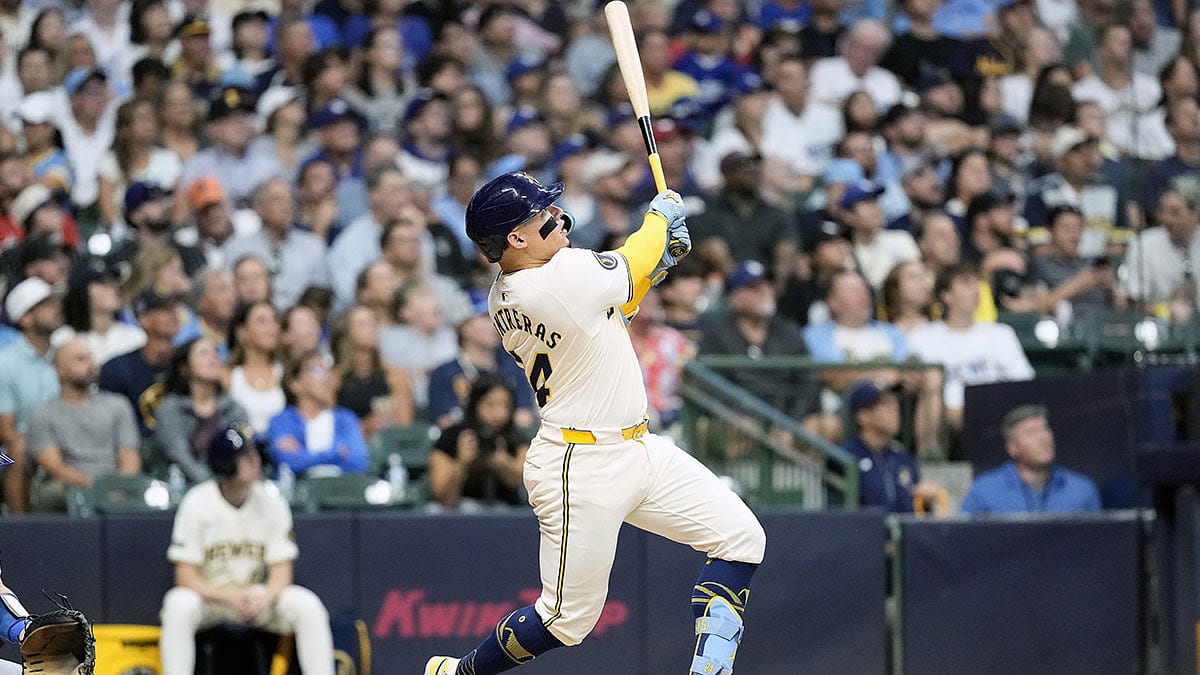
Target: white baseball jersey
<point>232,546</point>
<point>562,323</point>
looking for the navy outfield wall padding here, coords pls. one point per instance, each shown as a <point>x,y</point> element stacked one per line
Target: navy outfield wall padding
<point>816,603</point>
<point>328,553</point>
<point>985,596</point>
<point>55,553</point>
<point>138,574</point>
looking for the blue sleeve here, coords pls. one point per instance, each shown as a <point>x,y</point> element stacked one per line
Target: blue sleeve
<point>1091,501</point>
<point>973,502</point>
<point>818,338</point>
<point>283,425</point>
<point>442,398</point>
<point>350,436</point>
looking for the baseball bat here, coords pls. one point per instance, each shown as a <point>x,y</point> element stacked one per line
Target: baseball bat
<point>620,27</point>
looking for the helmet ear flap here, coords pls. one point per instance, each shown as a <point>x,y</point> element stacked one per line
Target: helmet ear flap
<point>568,222</point>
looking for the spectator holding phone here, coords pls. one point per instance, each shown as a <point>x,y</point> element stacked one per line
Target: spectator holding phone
<point>1062,276</point>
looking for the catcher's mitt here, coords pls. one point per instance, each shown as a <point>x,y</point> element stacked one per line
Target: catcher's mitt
<point>59,643</point>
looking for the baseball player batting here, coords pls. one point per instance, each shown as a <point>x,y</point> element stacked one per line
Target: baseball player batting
<point>562,314</point>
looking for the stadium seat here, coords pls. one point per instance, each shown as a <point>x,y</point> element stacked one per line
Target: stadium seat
<point>411,443</point>
<point>351,491</point>
<point>234,648</point>
<point>1062,351</point>
<point>118,494</point>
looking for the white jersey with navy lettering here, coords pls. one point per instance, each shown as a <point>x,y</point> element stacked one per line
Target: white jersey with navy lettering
<point>562,323</point>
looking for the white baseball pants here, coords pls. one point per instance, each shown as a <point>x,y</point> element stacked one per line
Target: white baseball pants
<point>297,610</point>
<point>581,495</point>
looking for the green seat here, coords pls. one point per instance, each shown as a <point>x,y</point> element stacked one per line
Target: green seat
<point>347,492</point>
<point>119,494</point>
<point>410,443</point>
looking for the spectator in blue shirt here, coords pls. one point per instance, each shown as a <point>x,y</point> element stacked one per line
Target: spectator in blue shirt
<point>313,435</point>
<point>1031,481</point>
<point>887,476</point>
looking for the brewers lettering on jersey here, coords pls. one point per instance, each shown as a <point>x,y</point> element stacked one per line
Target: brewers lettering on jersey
<point>562,315</point>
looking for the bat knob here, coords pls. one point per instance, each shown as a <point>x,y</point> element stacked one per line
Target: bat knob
<point>679,249</point>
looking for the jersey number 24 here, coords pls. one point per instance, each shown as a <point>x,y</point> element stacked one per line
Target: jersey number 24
<point>538,373</point>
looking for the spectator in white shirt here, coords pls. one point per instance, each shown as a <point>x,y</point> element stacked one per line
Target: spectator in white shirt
<point>1159,268</point>
<point>876,250</point>
<point>797,130</point>
<point>1126,95</point>
<point>857,68</point>
<point>970,353</point>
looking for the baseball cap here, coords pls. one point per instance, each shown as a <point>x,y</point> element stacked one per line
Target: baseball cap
<point>275,98</point>
<point>866,393</point>
<point>521,118</point>
<point>523,64</point>
<point>1003,124</point>
<point>204,192</point>
<point>858,192</point>
<point>150,300</point>
<point>986,202</point>
<point>569,146</point>
<point>80,76</point>
<point>37,108</point>
<point>842,171</point>
<point>747,273</point>
<point>827,232</point>
<point>1067,138</point>
<point>705,21</point>
<point>29,200</point>
<point>25,296</point>
<point>192,25</point>
<point>229,101</point>
<point>418,103</point>
<point>334,111</point>
<point>141,192</point>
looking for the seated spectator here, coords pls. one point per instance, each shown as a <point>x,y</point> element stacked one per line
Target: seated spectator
<point>1064,277</point>
<point>479,353</point>
<point>887,475</point>
<point>27,379</point>
<point>232,546</point>
<point>80,436</point>
<point>91,309</point>
<point>194,408</point>
<point>752,328</point>
<point>740,219</point>
<point>379,395</point>
<point>852,334</point>
<point>1076,182</point>
<point>938,240</point>
<point>683,295</point>
<point>137,375</point>
<point>420,341</point>
<point>254,378</point>
<point>970,352</point>
<point>662,352</point>
<point>216,300</point>
<point>990,226</point>
<point>908,295</point>
<point>1030,481</point>
<point>797,130</point>
<point>862,48</point>
<point>1159,267</point>
<point>213,224</point>
<point>876,250</point>
<point>239,167</point>
<point>481,457</point>
<point>803,297</point>
<point>295,257</point>
<point>401,247</point>
<point>313,436</point>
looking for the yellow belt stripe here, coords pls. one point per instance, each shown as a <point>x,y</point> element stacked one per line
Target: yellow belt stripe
<point>562,554</point>
<point>585,437</point>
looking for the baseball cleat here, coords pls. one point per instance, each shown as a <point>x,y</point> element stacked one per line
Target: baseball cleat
<point>441,665</point>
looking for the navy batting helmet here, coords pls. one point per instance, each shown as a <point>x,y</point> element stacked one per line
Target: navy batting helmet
<point>227,445</point>
<point>503,204</point>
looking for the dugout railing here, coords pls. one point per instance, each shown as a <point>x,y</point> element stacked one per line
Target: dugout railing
<point>767,453</point>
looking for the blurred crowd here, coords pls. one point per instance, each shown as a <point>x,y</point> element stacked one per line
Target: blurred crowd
<point>252,211</point>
